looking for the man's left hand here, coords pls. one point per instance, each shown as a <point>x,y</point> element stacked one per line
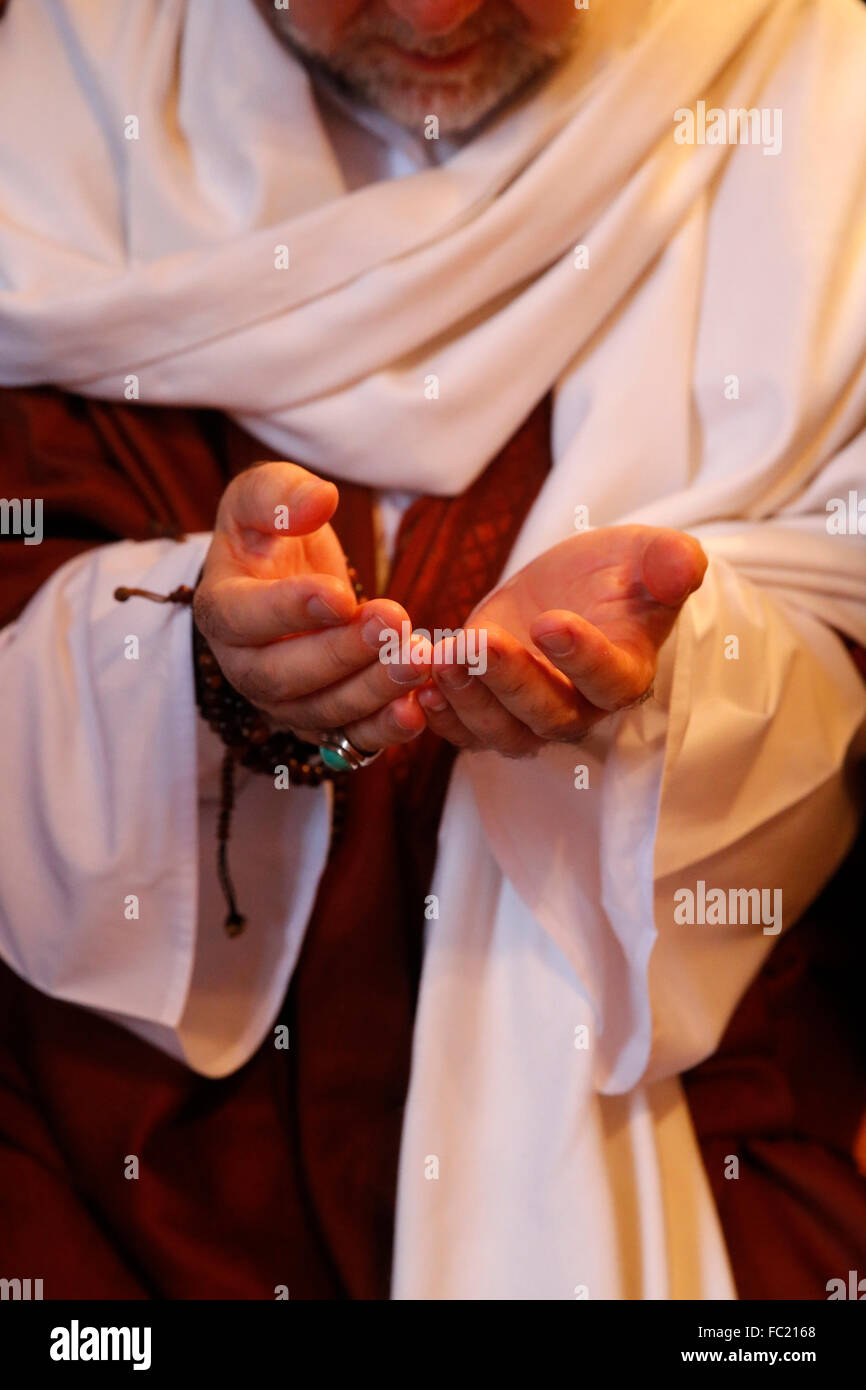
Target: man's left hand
<point>571,638</point>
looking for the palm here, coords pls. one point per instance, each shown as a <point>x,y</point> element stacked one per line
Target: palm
<point>289,556</point>
<point>600,575</point>
<point>271,557</point>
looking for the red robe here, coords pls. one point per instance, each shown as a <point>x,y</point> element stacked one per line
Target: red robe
<point>284,1173</point>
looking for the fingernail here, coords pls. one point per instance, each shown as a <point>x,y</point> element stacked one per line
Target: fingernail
<point>371,632</point>
<point>406,675</point>
<point>305,491</point>
<point>432,700</point>
<point>558,643</point>
<point>318,607</point>
<point>454,677</point>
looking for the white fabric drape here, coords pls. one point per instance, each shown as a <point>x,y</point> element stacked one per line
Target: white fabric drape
<point>155,258</point>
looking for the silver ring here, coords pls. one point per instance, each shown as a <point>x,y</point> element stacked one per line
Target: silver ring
<point>642,699</point>
<point>341,755</point>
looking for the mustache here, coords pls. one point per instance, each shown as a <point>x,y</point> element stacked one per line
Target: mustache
<point>496,20</point>
<point>434,46</point>
<point>492,21</point>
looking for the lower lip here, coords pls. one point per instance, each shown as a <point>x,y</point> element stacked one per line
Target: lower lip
<point>444,62</point>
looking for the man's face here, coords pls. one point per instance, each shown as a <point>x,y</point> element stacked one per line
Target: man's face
<point>454,59</point>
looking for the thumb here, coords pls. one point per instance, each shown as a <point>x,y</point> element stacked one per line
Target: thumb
<point>275,500</point>
<point>673,565</point>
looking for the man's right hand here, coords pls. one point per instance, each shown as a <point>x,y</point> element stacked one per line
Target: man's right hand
<point>277,607</point>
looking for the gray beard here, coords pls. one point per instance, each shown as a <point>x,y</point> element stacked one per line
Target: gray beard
<point>328,77</point>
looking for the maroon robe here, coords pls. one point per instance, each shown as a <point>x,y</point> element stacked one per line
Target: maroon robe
<point>284,1173</point>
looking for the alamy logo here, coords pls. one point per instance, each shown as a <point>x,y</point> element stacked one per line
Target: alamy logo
<point>411,647</point>
<point>22,516</point>
<point>739,126</point>
<point>76,1343</point>
<point>713,907</point>
<point>847,516</point>
<point>855,1289</point>
<point>21,1289</point>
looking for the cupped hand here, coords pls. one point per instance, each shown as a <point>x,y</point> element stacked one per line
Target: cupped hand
<point>277,607</point>
<point>572,637</point>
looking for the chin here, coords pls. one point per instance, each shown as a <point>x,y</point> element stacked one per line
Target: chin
<point>459,105</point>
<point>457,110</point>
<point>461,98</point>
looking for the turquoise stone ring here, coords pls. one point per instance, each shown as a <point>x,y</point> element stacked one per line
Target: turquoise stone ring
<point>340,755</point>
<point>334,760</point>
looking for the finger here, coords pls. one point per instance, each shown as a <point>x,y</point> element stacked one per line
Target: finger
<point>673,565</point>
<point>480,712</point>
<point>399,722</point>
<point>310,662</point>
<point>442,719</point>
<point>242,611</point>
<point>360,695</point>
<point>609,676</point>
<point>276,500</point>
<point>280,671</point>
<point>541,697</point>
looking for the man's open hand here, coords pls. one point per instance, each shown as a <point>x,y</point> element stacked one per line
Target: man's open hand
<point>572,637</point>
<point>277,607</point>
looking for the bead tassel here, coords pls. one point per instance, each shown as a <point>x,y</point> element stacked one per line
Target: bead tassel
<point>248,738</point>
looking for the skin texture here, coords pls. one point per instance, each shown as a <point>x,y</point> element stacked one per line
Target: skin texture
<point>574,636</point>
<point>455,59</point>
<point>282,620</point>
<point>571,638</point>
